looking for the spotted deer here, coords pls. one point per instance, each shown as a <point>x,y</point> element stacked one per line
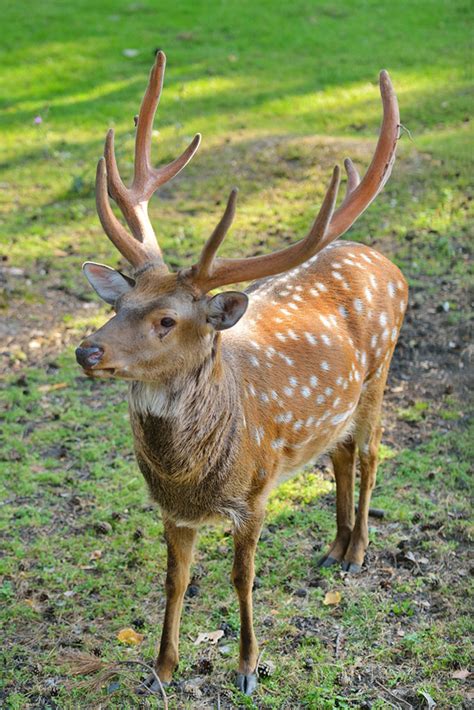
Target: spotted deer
<point>229,394</point>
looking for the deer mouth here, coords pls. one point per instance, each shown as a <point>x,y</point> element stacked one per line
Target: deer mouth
<point>100,372</point>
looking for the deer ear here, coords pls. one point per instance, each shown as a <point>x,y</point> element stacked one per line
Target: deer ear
<point>107,282</point>
<point>226,309</point>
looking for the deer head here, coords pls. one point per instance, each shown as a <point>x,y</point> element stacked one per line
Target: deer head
<point>166,323</point>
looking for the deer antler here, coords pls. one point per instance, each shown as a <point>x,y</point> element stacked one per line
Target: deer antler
<point>133,201</point>
<point>211,272</point>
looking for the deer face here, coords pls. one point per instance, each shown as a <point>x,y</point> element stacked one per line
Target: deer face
<point>162,326</point>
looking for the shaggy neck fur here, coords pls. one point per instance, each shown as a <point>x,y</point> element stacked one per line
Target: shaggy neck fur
<point>186,429</point>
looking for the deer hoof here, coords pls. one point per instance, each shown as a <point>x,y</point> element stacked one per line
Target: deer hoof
<point>246,683</point>
<point>150,686</point>
<point>327,561</point>
<point>351,567</point>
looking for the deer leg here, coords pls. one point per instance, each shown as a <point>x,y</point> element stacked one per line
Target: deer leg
<point>243,571</point>
<point>180,541</point>
<point>368,455</point>
<point>343,460</point>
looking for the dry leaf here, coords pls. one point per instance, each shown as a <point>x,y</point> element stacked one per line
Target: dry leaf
<point>332,598</point>
<point>461,674</point>
<point>130,637</point>
<point>95,555</point>
<point>52,388</point>
<point>33,604</point>
<point>211,636</point>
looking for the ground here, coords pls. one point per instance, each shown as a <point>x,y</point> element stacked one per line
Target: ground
<point>84,552</point>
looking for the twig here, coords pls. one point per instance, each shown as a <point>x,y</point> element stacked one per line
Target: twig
<point>218,701</point>
<point>373,512</point>
<point>402,703</point>
<point>86,664</point>
<point>153,673</point>
<point>337,649</point>
<point>407,131</point>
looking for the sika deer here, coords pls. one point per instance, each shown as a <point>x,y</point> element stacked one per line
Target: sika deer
<point>231,393</point>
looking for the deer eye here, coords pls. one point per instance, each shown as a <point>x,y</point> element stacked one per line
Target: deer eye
<point>168,322</point>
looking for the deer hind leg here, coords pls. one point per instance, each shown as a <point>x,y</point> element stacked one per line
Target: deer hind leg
<point>343,460</point>
<point>243,571</point>
<point>367,435</point>
<point>180,541</point>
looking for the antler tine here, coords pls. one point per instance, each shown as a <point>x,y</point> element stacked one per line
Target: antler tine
<point>148,108</point>
<point>133,201</point>
<point>146,179</point>
<point>131,249</point>
<point>228,271</point>
<point>359,197</point>
<point>353,179</point>
<point>204,267</point>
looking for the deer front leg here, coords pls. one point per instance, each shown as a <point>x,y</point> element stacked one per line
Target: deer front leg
<point>243,571</point>
<point>180,541</point>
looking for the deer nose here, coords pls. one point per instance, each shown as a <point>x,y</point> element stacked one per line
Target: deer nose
<point>88,357</point>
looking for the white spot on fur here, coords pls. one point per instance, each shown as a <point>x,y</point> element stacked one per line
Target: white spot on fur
<point>284,418</point>
<point>391,289</point>
<point>358,305</point>
<point>305,391</point>
<point>278,444</point>
<point>313,381</point>
<point>343,311</point>
<point>325,366</point>
<point>383,319</point>
<point>310,338</point>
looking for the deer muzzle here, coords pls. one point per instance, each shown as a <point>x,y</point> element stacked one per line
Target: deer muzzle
<point>89,357</point>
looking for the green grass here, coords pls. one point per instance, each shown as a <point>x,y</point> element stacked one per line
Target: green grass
<point>280,92</point>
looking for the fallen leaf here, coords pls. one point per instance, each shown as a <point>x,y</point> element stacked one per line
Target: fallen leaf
<point>52,388</point>
<point>130,637</point>
<point>211,636</point>
<point>33,604</point>
<point>461,674</point>
<point>95,555</point>
<point>332,598</point>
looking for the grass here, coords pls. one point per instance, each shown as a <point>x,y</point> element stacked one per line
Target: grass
<point>280,93</point>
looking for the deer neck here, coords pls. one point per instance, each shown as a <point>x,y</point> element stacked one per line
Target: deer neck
<point>187,428</point>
